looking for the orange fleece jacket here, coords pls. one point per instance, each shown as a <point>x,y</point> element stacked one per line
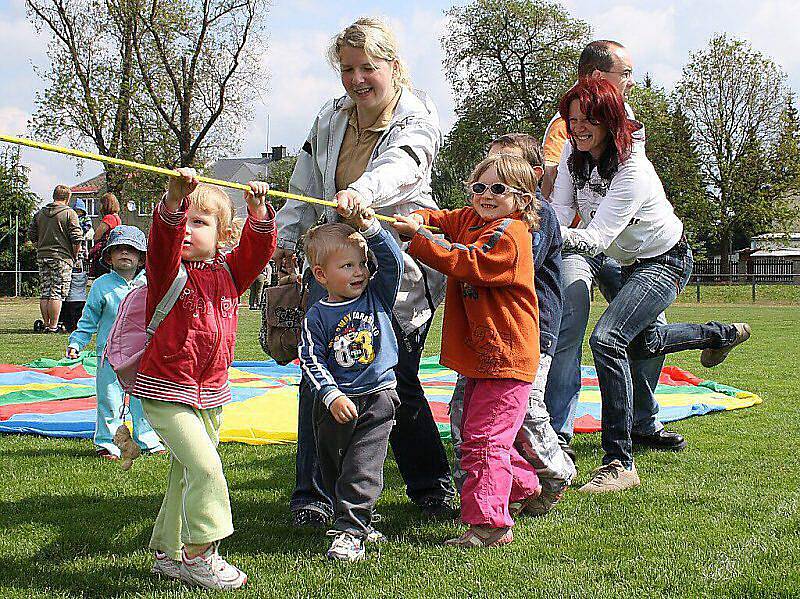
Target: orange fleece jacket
<point>491,316</point>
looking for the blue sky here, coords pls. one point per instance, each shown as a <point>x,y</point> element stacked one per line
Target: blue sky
<point>660,35</point>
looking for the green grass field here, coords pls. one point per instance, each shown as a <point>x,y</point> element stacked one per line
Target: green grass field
<point>719,519</point>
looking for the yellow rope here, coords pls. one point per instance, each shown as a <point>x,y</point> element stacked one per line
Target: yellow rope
<point>39,145</point>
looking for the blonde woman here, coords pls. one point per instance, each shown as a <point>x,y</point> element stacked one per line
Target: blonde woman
<point>373,147</point>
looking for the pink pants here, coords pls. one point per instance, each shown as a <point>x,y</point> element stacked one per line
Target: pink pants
<point>496,472</point>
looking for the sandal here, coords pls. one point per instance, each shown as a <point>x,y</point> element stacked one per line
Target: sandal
<point>104,453</point>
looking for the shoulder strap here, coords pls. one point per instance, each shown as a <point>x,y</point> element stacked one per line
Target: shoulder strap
<point>169,299</point>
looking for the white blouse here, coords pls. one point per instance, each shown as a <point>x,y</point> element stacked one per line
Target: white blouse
<point>626,218</point>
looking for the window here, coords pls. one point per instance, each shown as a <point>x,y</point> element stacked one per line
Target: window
<point>145,207</point>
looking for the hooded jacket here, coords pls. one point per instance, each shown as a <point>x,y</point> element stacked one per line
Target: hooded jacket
<point>55,231</point>
<point>188,357</point>
<point>397,180</point>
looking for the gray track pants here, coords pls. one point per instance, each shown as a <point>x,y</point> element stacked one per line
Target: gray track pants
<point>351,458</point>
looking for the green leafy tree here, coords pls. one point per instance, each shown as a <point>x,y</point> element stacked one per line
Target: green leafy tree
<point>785,169</point>
<point>166,82</point>
<point>278,178</point>
<point>672,151</point>
<point>732,97</point>
<point>17,205</point>
<point>90,95</point>
<point>508,62</point>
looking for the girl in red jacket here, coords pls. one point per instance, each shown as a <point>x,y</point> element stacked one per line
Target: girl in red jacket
<point>183,377</point>
<point>490,333</point>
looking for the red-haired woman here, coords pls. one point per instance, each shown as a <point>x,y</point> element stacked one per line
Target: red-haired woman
<point>605,177</point>
<point>109,210</point>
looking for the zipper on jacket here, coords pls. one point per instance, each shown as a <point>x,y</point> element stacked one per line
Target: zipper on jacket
<point>215,351</point>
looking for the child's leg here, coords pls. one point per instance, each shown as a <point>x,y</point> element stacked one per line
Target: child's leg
<point>196,504</point>
<point>493,413</point>
<point>166,535</point>
<point>456,413</point>
<point>109,406</point>
<point>143,433</point>
<point>537,441</point>
<point>363,449</point>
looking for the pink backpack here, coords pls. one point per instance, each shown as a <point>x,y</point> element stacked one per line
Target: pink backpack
<point>129,336</point>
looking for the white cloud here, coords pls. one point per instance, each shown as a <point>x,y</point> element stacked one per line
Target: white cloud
<point>772,28</point>
<point>649,35</point>
<point>13,120</point>
<point>419,38</point>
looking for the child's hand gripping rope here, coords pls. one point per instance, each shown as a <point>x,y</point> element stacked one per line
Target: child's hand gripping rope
<point>407,226</point>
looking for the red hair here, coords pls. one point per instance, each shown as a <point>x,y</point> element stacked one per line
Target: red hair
<point>601,102</point>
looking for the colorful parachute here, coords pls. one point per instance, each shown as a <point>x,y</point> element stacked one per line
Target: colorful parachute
<point>56,398</point>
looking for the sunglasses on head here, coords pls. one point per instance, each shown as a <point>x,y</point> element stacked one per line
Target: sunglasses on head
<point>497,189</point>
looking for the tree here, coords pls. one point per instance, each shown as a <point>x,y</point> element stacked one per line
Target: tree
<point>732,97</point>
<point>17,204</point>
<point>165,82</point>
<point>278,178</point>
<point>90,85</point>
<point>200,64</point>
<point>674,156</point>
<point>508,62</point>
<point>785,167</point>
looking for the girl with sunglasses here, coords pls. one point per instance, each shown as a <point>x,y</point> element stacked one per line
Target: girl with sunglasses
<point>490,333</point>
<point>605,176</point>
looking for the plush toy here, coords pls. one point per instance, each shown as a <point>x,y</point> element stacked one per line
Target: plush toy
<point>128,448</point>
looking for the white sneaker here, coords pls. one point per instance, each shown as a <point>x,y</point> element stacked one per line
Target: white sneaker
<point>346,547</point>
<point>166,566</point>
<point>210,571</point>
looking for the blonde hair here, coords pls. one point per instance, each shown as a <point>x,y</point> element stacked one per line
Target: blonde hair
<point>378,42</point>
<point>322,241</point>
<point>212,200</point>
<point>517,172</point>
<point>62,193</point>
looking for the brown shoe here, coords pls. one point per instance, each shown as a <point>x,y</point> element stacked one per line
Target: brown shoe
<point>517,507</point>
<point>714,357</point>
<point>483,536</point>
<point>612,477</point>
<point>543,503</point>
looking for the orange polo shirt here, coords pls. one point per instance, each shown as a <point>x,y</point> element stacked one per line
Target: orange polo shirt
<point>491,316</point>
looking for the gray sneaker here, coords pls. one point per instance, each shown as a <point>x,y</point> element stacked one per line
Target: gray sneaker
<point>166,566</point>
<point>612,477</point>
<point>210,571</point>
<point>713,357</point>
<point>346,547</point>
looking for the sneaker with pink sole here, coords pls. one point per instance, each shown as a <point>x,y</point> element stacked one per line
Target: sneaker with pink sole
<point>210,571</point>
<point>166,566</point>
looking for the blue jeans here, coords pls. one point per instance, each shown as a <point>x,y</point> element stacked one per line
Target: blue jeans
<point>628,330</point>
<point>564,382</point>
<point>415,440</point>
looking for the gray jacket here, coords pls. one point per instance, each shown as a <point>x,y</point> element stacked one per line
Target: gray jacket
<point>397,181</point>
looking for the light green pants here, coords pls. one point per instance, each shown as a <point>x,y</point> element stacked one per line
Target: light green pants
<point>196,508</point>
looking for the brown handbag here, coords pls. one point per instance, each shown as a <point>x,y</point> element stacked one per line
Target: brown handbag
<point>282,312</point>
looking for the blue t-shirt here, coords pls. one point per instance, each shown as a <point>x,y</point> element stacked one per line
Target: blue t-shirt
<point>349,348</point>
